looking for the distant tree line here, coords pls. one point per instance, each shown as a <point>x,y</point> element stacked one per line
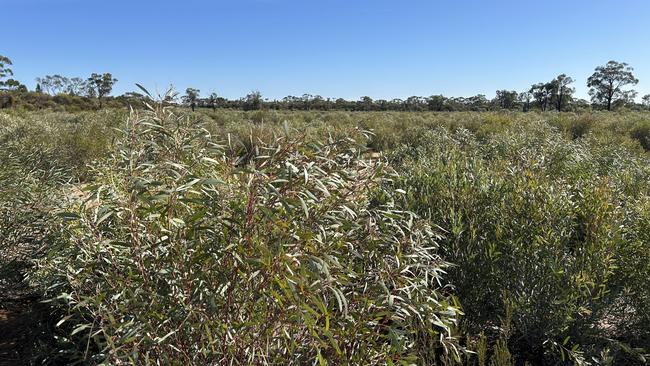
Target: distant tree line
<point>96,86</point>
<point>608,89</point>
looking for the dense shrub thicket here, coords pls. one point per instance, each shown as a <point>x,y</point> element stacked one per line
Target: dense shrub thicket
<point>549,232</point>
<point>288,254</point>
<point>63,102</point>
<point>30,182</point>
<point>273,237</point>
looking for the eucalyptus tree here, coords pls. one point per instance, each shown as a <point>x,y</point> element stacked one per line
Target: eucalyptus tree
<point>213,99</point>
<point>506,99</point>
<point>53,84</point>
<point>191,96</point>
<point>57,84</point>
<point>607,82</point>
<point>5,70</point>
<point>436,102</point>
<point>100,85</point>
<point>319,103</point>
<point>253,101</point>
<point>542,93</point>
<point>415,103</point>
<point>6,82</point>
<point>562,90</point>
<point>366,103</point>
<point>76,86</point>
<point>477,102</point>
<point>306,101</point>
<point>13,85</point>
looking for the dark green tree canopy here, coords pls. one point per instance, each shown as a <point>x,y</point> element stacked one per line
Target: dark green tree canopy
<point>436,102</point>
<point>101,84</point>
<point>506,99</point>
<point>562,91</point>
<point>253,101</point>
<point>607,82</point>
<point>542,93</point>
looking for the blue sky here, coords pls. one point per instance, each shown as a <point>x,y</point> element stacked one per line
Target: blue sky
<point>335,48</point>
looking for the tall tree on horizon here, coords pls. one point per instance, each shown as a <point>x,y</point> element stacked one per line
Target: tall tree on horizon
<point>542,92</point>
<point>5,69</point>
<point>53,84</point>
<point>213,99</point>
<point>506,99</point>
<point>607,81</point>
<point>191,96</point>
<point>101,85</point>
<point>253,101</point>
<point>5,73</point>
<point>563,91</point>
<point>76,86</point>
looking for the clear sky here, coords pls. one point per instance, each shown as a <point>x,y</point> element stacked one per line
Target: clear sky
<point>334,48</point>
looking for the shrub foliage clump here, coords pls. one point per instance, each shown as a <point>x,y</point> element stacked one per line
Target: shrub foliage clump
<point>224,237</point>
<point>293,253</point>
<point>545,231</point>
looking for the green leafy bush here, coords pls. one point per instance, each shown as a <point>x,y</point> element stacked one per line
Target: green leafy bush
<point>180,254</point>
<point>214,237</point>
<point>560,225</point>
<point>30,182</point>
<point>641,133</point>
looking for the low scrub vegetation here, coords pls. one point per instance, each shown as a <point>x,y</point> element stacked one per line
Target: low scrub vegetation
<point>546,232</point>
<point>162,236</point>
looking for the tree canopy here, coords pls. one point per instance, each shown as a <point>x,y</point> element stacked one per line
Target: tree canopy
<point>190,97</point>
<point>607,82</point>
<point>6,82</point>
<point>101,84</point>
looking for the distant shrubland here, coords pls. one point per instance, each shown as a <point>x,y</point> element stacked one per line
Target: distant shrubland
<point>165,236</point>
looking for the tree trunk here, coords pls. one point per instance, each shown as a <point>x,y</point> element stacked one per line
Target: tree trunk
<point>609,103</point>
<point>610,95</point>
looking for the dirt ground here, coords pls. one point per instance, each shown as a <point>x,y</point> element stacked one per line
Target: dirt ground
<point>22,314</point>
<point>18,329</point>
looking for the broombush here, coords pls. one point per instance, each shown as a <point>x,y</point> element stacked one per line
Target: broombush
<point>548,233</point>
<point>293,253</point>
<point>227,238</point>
